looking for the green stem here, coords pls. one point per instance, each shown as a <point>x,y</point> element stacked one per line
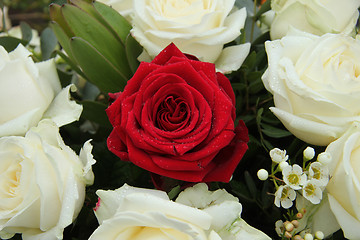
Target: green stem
<point>253,22</point>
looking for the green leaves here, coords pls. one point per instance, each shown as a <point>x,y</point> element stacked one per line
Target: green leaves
<point>48,43</point>
<point>98,69</point>
<point>96,39</point>
<point>10,43</point>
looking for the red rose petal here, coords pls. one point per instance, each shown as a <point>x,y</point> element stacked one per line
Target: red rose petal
<point>117,146</point>
<point>170,51</point>
<point>229,157</point>
<point>176,118</point>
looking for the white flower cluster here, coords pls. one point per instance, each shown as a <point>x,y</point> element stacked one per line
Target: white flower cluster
<point>309,180</point>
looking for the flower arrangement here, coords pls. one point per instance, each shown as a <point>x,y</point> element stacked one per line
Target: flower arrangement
<point>180,119</point>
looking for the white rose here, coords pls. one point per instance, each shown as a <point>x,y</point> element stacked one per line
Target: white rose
<point>124,7</point>
<point>31,91</point>
<point>197,27</point>
<point>314,16</point>
<point>315,83</point>
<point>42,183</point>
<point>343,187</point>
<point>135,213</point>
<point>225,210</point>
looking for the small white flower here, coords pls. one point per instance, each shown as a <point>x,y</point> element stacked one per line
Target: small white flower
<point>262,174</point>
<point>277,155</point>
<point>309,153</point>
<point>324,158</point>
<point>279,227</point>
<point>312,192</point>
<point>294,176</point>
<point>283,165</point>
<point>319,173</point>
<point>285,196</point>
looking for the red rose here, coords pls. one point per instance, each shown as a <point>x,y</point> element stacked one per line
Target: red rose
<point>175,118</point>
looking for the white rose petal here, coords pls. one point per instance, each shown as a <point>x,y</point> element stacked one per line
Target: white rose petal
<point>63,110</point>
<point>147,214</point>
<point>194,27</point>
<point>343,187</point>
<point>231,58</point>
<point>316,17</point>
<point>318,217</point>
<point>47,184</point>
<point>27,89</point>
<point>315,84</point>
<point>135,213</point>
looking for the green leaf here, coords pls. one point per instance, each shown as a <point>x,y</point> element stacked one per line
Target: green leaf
<point>97,35</point>
<point>71,63</point>
<point>250,184</point>
<point>107,16</point>
<point>95,112</point>
<point>89,8</point>
<point>63,39</point>
<point>10,43</point>
<point>267,144</point>
<point>258,116</point>
<point>174,192</point>
<point>48,43</point>
<point>238,86</point>
<point>115,20</point>
<point>256,84</point>
<point>262,38</point>
<point>57,16</point>
<point>96,67</point>
<point>133,49</point>
<point>241,190</point>
<point>26,31</point>
<point>274,132</point>
<point>250,60</point>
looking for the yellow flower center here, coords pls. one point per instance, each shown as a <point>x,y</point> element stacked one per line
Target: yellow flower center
<point>309,189</point>
<point>293,178</point>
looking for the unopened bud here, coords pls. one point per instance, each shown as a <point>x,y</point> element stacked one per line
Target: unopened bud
<point>295,223</point>
<point>289,226</point>
<point>303,211</point>
<point>309,153</point>
<point>319,235</point>
<point>308,236</point>
<point>262,174</point>
<point>297,237</point>
<point>288,235</point>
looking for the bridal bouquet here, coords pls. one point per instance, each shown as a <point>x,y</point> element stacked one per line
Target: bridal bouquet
<point>181,119</point>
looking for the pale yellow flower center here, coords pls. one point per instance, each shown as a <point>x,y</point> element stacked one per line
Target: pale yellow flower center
<point>293,179</point>
<point>10,173</point>
<point>284,193</point>
<point>173,9</point>
<point>317,173</point>
<point>309,189</point>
